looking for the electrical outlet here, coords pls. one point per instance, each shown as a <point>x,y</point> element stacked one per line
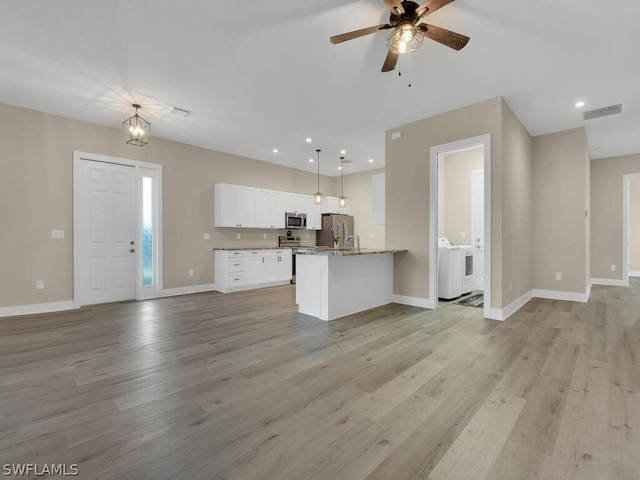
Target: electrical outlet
<point>264,236</point>
<point>462,235</point>
<point>558,275</point>
<point>207,236</point>
<point>57,234</point>
<point>613,268</point>
<point>237,236</point>
<point>39,284</point>
<point>191,273</point>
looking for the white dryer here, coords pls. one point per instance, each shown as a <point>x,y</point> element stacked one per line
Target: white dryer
<point>467,268</point>
<point>449,269</point>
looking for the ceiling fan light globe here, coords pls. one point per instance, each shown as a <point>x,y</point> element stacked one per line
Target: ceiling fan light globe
<point>405,39</point>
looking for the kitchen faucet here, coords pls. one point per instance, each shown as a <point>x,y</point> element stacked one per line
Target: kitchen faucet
<point>356,241</point>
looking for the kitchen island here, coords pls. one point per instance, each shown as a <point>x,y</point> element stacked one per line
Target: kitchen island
<point>332,283</point>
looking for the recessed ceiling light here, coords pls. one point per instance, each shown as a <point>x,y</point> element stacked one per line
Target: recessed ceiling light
<point>343,152</point>
<point>275,150</point>
<point>339,168</point>
<point>311,160</point>
<point>308,140</point>
<point>371,160</point>
<point>579,104</point>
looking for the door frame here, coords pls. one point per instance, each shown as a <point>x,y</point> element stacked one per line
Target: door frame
<point>141,168</point>
<point>485,141</point>
<point>626,184</point>
<point>473,224</point>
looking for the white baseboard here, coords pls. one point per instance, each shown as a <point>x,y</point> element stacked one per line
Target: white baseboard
<point>172,292</point>
<point>566,296</point>
<point>614,282</point>
<point>36,308</point>
<point>413,301</point>
<point>634,273</point>
<point>516,305</point>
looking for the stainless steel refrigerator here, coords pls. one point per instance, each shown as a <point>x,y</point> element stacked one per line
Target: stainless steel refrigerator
<point>324,237</point>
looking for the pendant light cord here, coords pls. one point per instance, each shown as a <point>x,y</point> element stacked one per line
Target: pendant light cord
<point>318,152</point>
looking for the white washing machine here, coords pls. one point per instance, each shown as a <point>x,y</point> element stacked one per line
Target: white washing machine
<point>450,267</point>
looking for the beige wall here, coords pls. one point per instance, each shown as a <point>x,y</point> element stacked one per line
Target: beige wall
<point>407,172</point>
<point>634,225</point>
<point>560,192</point>
<point>36,196</point>
<point>358,188</point>
<point>454,193</point>
<point>515,246</point>
<point>606,219</point>
<point>407,187</point>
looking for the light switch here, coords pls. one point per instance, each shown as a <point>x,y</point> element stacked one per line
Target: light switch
<point>207,236</point>
<point>57,234</point>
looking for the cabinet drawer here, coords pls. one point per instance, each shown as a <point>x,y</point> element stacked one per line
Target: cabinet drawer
<point>235,264</point>
<point>235,253</point>
<point>234,279</point>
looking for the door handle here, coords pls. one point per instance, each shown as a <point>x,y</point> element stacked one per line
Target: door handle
<point>132,250</point>
<point>132,242</point>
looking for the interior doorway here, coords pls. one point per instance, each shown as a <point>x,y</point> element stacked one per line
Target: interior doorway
<point>117,225</point>
<point>460,216</point>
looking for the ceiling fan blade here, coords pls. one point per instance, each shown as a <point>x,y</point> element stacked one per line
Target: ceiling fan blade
<point>390,61</point>
<point>446,37</point>
<point>395,6</point>
<point>431,6</point>
<point>358,33</point>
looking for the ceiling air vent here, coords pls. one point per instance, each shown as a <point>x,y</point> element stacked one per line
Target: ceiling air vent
<point>180,112</point>
<point>602,112</point>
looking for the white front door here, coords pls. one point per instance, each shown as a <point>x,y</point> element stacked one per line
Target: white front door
<point>107,232</point>
<point>477,227</point>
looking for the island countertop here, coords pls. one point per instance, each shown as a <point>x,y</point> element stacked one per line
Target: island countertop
<point>251,248</point>
<point>336,252</point>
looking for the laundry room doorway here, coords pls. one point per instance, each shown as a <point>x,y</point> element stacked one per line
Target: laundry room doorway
<point>460,219</point>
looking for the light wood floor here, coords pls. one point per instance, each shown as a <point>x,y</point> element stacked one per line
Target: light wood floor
<point>241,386</point>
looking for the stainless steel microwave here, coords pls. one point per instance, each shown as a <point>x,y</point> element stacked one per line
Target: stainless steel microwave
<point>293,220</point>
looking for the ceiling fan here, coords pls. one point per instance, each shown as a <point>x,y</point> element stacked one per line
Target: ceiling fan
<point>407,34</point>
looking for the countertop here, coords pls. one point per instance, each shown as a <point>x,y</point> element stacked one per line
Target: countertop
<point>339,252</point>
<point>253,248</point>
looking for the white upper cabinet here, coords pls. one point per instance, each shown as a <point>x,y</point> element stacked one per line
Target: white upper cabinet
<point>289,201</point>
<point>314,216</point>
<point>225,207</point>
<point>276,209</point>
<point>247,207</point>
<point>261,209</point>
<point>332,205</point>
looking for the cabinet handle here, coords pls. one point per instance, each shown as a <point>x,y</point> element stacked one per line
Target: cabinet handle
<point>262,259</point>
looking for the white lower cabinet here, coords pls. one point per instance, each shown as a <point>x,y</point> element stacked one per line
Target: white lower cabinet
<point>246,269</point>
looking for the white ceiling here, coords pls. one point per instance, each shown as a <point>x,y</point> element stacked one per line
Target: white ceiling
<point>261,75</point>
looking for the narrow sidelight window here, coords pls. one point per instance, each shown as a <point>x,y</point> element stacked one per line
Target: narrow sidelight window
<point>147,231</point>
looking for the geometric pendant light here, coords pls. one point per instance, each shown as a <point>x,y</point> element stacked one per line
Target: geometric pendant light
<point>136,129</point>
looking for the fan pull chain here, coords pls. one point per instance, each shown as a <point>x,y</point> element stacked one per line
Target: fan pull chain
<point>400,68</point>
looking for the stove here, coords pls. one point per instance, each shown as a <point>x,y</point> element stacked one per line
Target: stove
<point>289,241</point>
